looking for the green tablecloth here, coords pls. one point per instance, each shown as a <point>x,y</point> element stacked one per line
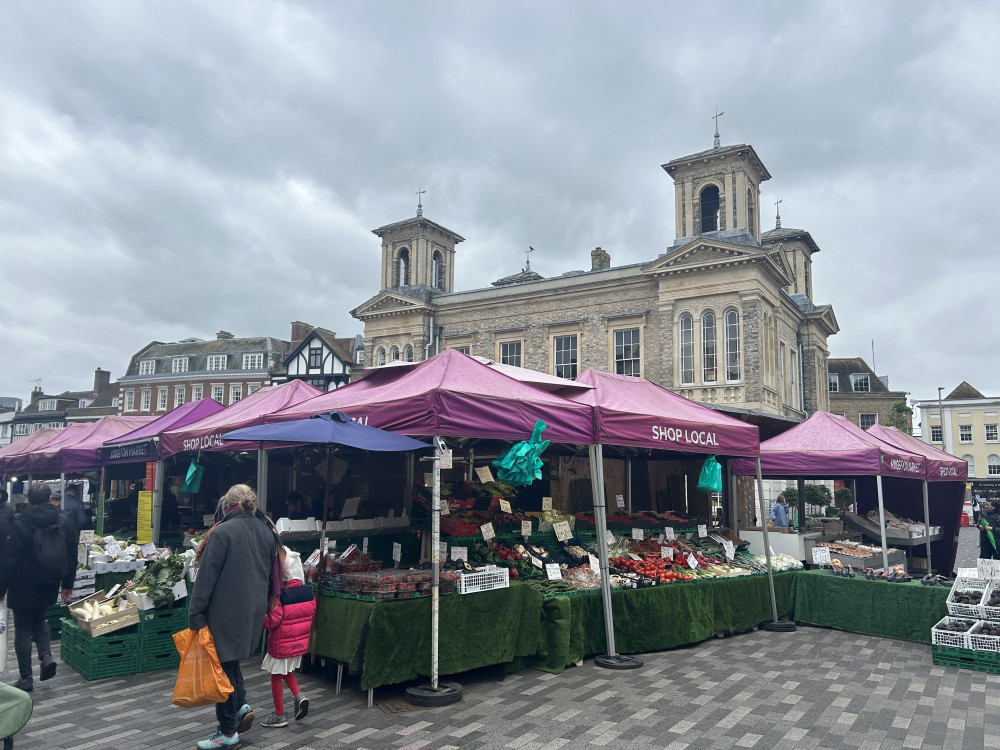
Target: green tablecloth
<point>896,610</point>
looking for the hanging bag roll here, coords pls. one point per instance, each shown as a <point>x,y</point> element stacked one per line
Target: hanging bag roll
<point>711,476</point>
<point>200,677</point>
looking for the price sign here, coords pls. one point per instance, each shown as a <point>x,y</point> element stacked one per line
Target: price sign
<point>692,561</point>
<point>445,508</point>
<point>595,564</point>
<point>397,551</point>
<point>562,530</point>
<point>505,506</point>
<point>347,552</point>
<point>444,459</point>
<point>429,479</point>
<point>87,536</point>
<point>668,533</point>
<point>730,549</point>
<point>487,531</point>
<point>165,554</point>
<point>634,556</point>
<point>620,499</point>
<point>525,528</point>
<point>667,552</point>
<point>113,549</point>
<point>208,520</point>
<point>148,549</point>
<point>988,568</point>
<point>364,546</point>
<point>460,553</point>
<point>610,537</point>
<point>546,503</point>
<point>536,562</point>
<point>702,530</point>
<point>821,555</point>
<point>553,572</point>
<point>660,539</point>
<point>113,590</point>
<point>81,555</point>
<point>442,550</point>
<point>637,534</point>
<point>326,547</point>
<point>968,572</point>
<point>484,474</point>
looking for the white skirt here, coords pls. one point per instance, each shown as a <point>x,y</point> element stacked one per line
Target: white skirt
<point>281,666</point>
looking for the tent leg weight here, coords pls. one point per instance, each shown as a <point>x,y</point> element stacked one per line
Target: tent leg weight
<point>780,626</point>
<point>618,661</point>
<point>445,694</point>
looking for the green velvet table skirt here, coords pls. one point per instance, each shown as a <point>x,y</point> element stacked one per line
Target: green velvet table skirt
<point>896,610</point>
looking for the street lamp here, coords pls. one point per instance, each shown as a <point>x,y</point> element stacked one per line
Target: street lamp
<point>944,446</point>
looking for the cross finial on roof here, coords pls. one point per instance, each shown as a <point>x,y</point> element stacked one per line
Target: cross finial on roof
<point>716,117</point>
<point>777,214</point>
<point>420,208</point>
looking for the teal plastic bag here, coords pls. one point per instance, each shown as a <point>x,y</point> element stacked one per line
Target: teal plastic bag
<point>711,476</point>
<point>521,464</point>
<point>192,483</point>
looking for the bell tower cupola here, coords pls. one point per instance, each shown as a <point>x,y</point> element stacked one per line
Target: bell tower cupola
<point>418,252</point>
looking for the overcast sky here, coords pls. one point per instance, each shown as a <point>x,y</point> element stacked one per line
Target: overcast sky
<point>172,169</point>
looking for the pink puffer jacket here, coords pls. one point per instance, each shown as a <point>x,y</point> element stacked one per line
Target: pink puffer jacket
<point>288,624</point>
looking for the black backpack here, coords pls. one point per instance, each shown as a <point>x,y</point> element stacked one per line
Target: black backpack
<point>50,550</point>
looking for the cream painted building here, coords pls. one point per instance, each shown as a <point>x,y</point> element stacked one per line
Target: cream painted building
<point>970,430</point>
<point>724,316</point>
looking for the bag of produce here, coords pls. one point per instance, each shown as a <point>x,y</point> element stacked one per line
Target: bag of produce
<point>200,677</point>
<point>711,476</point>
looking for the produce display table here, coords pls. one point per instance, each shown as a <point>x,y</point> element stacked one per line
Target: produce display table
<point>897,610</point>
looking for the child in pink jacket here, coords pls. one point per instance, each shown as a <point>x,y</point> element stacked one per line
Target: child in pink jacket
<point>288,625</point>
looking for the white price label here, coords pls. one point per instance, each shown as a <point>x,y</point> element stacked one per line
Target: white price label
<point>536,562</point>
<point>702,530</point>
<point>460,553</point>
<point>553,572</point>
<point>364,546</point>
<point>610,537</point>
<point>113,549</point>
<point>484,474</point>
<point>444,459</point>
<point>208,520</point>
<point>638,534</point>
<point>487,531</point>
<point>988,568</point>
<point>442,550</point>
<point>692,562</point>
<point>347,552</point>
<point>87,536</point>
<point>82,555</point>
<point>397,551</point>
<point>113,590</point>
<point>668,533</point>
<point>821,555</point>
<point>595,564</point>
<point>148,549</point>
<point>546,503</point>
<point>326,547</point>
<point>968,573</point>
<point>620,500</point>
<point>730,549</point>
<point>505,506</point>
<point>634,556</point>
<point>445,508</point>
<point>525,528</point>
<point>428,479</point>
<point>562,530</point>
<point>165,553</point>
<point>667,552</point>
<point>660,539</point>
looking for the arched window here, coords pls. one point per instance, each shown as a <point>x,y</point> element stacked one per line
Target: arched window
<point>732,346</point>
<point>972,464</point>
<point>687,349</point>
<point>408,353</point>
<point>709,358</point>
<point>403,267</point>
<point>709,209</point>
<point>993,465</point>
<point>380,357</point>
<point>437,271</point>
<point>751,213</point>
<point>394,354</point>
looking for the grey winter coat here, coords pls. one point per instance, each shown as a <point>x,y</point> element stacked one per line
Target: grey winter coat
<point>230,592</point>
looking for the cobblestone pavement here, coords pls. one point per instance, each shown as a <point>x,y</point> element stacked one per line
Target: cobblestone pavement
<point>813,688</point>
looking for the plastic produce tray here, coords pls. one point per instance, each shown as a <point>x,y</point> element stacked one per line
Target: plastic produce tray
<point>949,638</point>
<point>963,584</point>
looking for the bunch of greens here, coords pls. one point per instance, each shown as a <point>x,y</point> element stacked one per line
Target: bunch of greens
<point>157,579</point>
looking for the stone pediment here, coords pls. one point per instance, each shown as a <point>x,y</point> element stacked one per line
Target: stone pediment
<point>701,255</point>
<point>388,303</point>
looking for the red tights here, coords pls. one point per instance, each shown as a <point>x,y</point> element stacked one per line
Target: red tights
<point>276,691</point>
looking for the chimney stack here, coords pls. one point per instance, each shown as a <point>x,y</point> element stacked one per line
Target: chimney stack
<point>299,332</point>
<point>36,393</point>
<point>223,336</point>
<point>599,260</point>
<point>102,381</point>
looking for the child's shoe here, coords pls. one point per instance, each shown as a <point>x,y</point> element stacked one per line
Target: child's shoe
<point>301,707</point>
<point>273,720</point>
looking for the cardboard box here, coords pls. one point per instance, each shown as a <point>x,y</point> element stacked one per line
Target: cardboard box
<point>109,623</point>
<point>143,602</point>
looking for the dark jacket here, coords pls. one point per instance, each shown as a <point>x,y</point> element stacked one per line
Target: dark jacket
<point>19,572</point>
<point>230,592</point>
<point>73,507</point>
<point>6,521</point>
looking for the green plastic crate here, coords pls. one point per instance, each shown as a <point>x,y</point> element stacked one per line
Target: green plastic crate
<point>159,622</point>
<point>111,655</point>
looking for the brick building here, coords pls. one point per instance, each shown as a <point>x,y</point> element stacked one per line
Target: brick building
<point>861,396</point>
<point>45,410</point>
<point>725,316</point>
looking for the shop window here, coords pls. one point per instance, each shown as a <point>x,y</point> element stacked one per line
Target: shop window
<point>627,356</point>
<point>733,369</point>
<point>972,464</point>
<point>993,465</point>
<point>686,330</point>
<point>709,350</point>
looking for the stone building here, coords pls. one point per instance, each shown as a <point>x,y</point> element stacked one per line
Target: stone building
<point>970,428</point>
<point>861,396</point>
<point>725,316</point>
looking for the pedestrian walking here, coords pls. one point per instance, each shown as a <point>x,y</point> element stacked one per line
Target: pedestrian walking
<point>239,570</point>
<point>38,556</point>
<point>288,624</point>
<point>779,512</point>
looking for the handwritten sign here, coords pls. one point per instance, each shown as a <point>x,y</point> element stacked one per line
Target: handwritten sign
<point>87,536</point>
<point>208,520</point>
<point>968,573</point>
<point>82,556</point>
<point>351,548</point>
<point>487,531</point>
<point>397,551</point>
<point>821,555</point>
<point>595,564</point>
<point>460,553</point>
<point>444,459</point>
<point>113,549</point>
<point>692,561</point>
<point>667,552</point>
<point>730,549</point>
<point>442,550</point>
<point>638,534</point>
<point>988,568</point>
<point>562,530</point>
<point>702,530</point>
<point>609,537</point>
<point>553,572</point>
<point>536,562</point>
<point>364,546</point>
<point>148,549</point>
<point>113,590</point>
<point>546,504</point>
<point>484,474</point>
<point>668,533</point>
<point>428,479</point>
<point>634,556</point>
<point>505,505</point>
<point>660,539</point>
<point>445,508</point>
<point>525,528</point>
<point>620,500</point>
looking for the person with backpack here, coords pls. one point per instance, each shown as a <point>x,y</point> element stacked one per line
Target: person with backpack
<point>6,518</point>
<point>38,558</point>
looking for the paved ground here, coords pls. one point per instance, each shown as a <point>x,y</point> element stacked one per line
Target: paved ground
<point>813,688</point>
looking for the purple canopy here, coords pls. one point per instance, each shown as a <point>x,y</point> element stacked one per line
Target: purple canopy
<point>206,434</point>
<point>79,450</point>
<point>453,395</point>
<point>636,412</point>
<point>829,446</point>
<point>941,466</point>
<point>14,457</point>
<point>144,444</point>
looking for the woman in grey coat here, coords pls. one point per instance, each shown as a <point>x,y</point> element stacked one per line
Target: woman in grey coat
<point>230,597</point>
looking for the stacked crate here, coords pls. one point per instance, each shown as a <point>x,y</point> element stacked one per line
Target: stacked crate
<point>97,657</point>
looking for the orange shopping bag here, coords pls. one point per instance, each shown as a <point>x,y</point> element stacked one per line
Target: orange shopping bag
<point>200,677</point>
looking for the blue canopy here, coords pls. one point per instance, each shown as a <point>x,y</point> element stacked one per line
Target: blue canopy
<point>330,427</point>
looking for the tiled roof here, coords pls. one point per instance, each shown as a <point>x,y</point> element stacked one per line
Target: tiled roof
<point>964,390</point>
<point>844,368</point>
<point>518,278</point>
<point>772,236</point>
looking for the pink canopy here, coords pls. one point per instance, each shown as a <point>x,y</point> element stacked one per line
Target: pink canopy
<point>829,446</point>
<point>453,395</point>
<point>636,412</point>
<point>14,457</point>
<point>143,444</point>
<point>206,434</point>
<point>79,449</point>
<point>941,466</point>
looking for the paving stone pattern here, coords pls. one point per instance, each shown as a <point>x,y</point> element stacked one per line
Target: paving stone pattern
<point>813,688</point>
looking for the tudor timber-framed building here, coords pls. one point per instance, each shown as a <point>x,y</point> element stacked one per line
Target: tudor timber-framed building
<point>724,316</point>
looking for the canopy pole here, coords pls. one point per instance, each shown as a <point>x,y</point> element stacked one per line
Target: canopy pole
<point>881,519</point>
<point>775,624</point>
<point>611,660</point>
<point>62,490</point>
<point>628,482</point>
<point>927,527</point>
<point>157,502</point>
<point>262,479</point>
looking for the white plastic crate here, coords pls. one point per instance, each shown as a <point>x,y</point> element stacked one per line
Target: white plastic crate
<point>961,585</point>
<point>487,579</point>
<point>949,638</point>
<point>987,612</point>
<point>982,642</point>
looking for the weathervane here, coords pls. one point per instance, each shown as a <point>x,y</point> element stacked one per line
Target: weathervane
<point>420,208</point>
<point>527,258</point>
<point>777,214</point>
<point>716,117</point>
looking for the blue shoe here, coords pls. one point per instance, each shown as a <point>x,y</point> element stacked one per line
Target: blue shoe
<point>244,718</point>
<point>219,740</point>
